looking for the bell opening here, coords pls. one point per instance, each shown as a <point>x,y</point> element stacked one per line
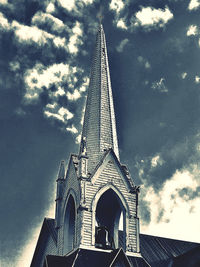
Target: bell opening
<point>110,219</point>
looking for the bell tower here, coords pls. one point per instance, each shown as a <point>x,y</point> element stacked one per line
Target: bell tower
<point>96,203</point>
<point>96,220</point>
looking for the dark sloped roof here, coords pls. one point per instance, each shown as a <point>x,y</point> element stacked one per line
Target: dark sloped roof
<point>138,261</point>
<point>119,257</point>
<point>79,258</point>
<point>89,258</point>
<point>48,229</point>
<point>61,261</point>
<point>159,250</point>
<point>51,226</point>
<point>188,259</point>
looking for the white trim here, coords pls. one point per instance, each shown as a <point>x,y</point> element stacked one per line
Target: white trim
<point>94,205</point>
<point>115,257</point>
<point>128,253</point>
<point>135,254</point>
<point>75,259</point>
<point>71,251</point>
<point>95,249</point>
<point>71,193</point>
<point>98,171</point>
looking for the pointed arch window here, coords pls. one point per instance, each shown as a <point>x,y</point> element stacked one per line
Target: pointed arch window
<point>69,225</point>
<point>110,218</point>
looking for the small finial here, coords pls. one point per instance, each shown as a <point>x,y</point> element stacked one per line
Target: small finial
<point>100,14</point>
<point>61,172</point>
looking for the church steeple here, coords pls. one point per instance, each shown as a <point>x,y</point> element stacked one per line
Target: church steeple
<point>96,200</point>
<point>99,128</point>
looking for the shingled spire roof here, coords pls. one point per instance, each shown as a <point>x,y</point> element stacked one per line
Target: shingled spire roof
<point>99,128</point>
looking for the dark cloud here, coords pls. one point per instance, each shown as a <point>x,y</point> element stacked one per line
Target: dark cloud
<point>188,193</point>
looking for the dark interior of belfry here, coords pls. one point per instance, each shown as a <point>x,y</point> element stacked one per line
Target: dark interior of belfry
<point>109,218</point>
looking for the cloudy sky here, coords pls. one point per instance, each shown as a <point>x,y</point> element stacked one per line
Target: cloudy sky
<point>45,56</point>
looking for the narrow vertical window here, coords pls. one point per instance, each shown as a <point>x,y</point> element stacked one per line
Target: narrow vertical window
<point>69,226</point>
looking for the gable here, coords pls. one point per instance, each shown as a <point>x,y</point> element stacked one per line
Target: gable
<point>120,260</point>
<point>111,166</point>
<point>71,180</point>
<point>46,243</point>
<point>72,167</point>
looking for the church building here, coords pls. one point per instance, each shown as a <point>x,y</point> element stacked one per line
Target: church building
<point>96,218</point>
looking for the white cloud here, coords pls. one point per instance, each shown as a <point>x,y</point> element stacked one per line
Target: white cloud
<point>40,76</point>
<point>67,4</point>
<point>65,113</point>
<point>73,96</point>
<point>14,65</point>
<point>78,139</point>
<point>194,4</point>
<point>121,24</point>
<point>55,24</point>
<point>149,16</point>
<point>3,2</point>
<point>159,86</point>
<point>121,45</point>
<point>72,129</point>
<point>88,2</point>
<point>56,80</point>
<point>50,8</point>
<point>20,112</point>
<point>59,42</point>
<point>156,160</point>
<point>62,114</point>
<point>55,112</point>
<point>74,39</point>
<point>59,92</point>
<point>174,207</point>
<point>51,106</point>
<point>33,34</point>
<point>84,85</point>
<point>117,5</point>
<point>4,24</point>
<point>184,75</point>
<point>74,6</point>
<point>144,62</point>
<point>197,79</point>
<point>147,65</point>
<point>30,34</point>
<point>192,30</point>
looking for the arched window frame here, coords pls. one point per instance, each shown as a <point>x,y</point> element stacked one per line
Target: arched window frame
<point>71,193</point>
<point>94,206</point>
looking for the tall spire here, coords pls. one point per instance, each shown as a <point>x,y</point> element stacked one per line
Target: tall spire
<point>99,127</point>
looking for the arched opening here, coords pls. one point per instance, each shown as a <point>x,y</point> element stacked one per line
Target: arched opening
<point>110,218</point>
<point>69,225</point>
